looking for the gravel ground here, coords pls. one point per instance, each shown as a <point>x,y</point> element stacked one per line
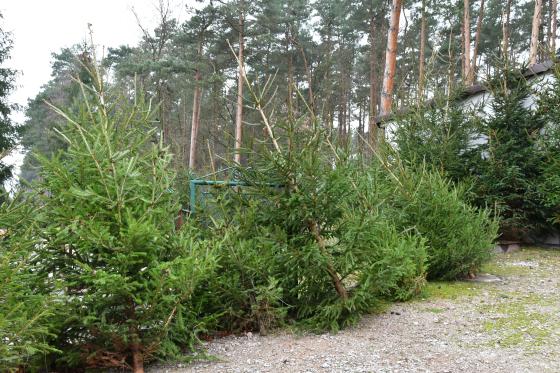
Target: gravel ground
<point>508,323</point>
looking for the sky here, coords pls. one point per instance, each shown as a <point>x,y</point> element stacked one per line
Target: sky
<point>41,27</point>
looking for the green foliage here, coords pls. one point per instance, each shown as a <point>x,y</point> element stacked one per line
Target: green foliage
<point>438,135</point>
<point>509,163</point>
<point>508,157</point>
<point>319,248</point>
<point>123,274</point>
<point>9,131</point>
<point>25,312</point>
<point>549,183</point>
<point>459,237</point>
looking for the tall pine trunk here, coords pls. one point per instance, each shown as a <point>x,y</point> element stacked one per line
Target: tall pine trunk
<point>466,40</point>
<point>372,125</point>
<point>505,30</point>
<point>195,122</point>
<point>240,82</point>
<point>537,16</point>
<point>553,25</point>
<point>391,59</point>
<point>290,62</point>
<point>422,56</point>
<point>473,71</point>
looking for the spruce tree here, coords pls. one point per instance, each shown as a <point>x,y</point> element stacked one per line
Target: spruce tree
<point>549,183</point>
<point>124,274</point>
<point>509,160</point>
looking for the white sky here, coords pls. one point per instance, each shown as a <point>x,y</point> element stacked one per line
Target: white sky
<point>41,27</point>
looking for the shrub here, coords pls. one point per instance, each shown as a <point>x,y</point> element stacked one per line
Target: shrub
<point>459,237</point>
<point>319,241</point>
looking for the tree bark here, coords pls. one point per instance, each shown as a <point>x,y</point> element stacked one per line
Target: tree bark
<point>473,71</point>
<point>290,93</point>
<point>450,69</point>
<point>391,59</point>
<point>195,122</point>
<point>240,82</point>
<point>422,56</point>
<point>135,343</point>
<point>553,25</point>
<point>537,16</point>
<point>137,359</point>
<point>467,40</point>
<point>372,125</point>
<point>505,30</point>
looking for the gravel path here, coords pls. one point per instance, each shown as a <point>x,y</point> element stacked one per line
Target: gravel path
<point>509,325</point>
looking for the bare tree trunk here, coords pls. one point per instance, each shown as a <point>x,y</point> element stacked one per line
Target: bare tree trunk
<point>451,70</point>
<point>240,82</point>
<point>505,30</point>
<point>195,122</point>
<point>391,59</point>
<point>164,113</point>
<point>422,56</point>
<point>553,25</point>
<point>308,73</point>
<point>372,125</point>
<point>137,359</point>
<point>290,94</point>
<point>135,343</point>
<point>537,16</point>
<point>467,40</point>
<point>473,71</point>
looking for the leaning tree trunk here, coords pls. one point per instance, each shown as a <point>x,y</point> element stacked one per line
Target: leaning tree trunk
<point>473,71</point>
<point>240,82</point>
<point>391,59</point>
<point>537,16</point>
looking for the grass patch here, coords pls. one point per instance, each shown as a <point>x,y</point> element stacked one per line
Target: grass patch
<point>515,321</point>
<point>450,290</point>
<point>506,269</point>
<point>511,264</point>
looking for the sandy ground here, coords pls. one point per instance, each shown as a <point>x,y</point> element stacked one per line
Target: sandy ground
<point>509,324</point>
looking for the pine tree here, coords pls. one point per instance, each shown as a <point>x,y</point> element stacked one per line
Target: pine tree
<point>537,19</point>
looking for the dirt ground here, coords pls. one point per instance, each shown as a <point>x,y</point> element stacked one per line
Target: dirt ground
<point>507,322</point>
